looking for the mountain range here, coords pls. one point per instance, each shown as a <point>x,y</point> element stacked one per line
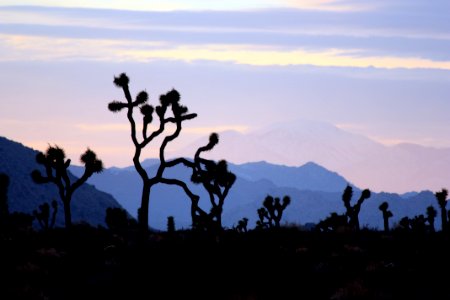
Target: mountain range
<point>17,161</point>
<point>400,168</point>
<point>315,193</point>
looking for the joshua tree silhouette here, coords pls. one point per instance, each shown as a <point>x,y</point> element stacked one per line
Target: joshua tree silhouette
<point>217,180</point>
<point>170,224</point>
<point>431,216</point>
<point>272,211</point>
<point>178,115</point>
<point>386,215</point>
<point>56,166</point>
<point>441,198</point>
<point>353,211</point>
<point>242,225</point>
<point>4,210</point>
<point>43,216</point>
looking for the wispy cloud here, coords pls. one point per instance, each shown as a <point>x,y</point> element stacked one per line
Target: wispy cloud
<point>23,48</point>
<point>330,5</point>
<point>152,5</point>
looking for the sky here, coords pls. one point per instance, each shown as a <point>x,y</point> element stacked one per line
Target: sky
<point>376,68</point>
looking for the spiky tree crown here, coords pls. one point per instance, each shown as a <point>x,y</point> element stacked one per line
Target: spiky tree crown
<point>55,154</point>
<point>268,202</point>
<point>122,80</point>
<point>141,98</point>
<point>347,195</point>
<point>442,197</point>
<point>383,206</point>
<point>366,194</point>
<point>92,163</point>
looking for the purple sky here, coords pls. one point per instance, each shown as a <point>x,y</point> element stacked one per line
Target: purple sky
<point>382,71</point>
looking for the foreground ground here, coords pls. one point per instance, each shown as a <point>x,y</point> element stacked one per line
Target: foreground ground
<point>90,263</point>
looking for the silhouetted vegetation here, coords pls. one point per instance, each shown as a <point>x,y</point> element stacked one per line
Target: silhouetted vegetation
<point>170,224</point>
<point>441,198</point>
<point>334,222</point>
<point>242,225</point>
<point>179,114</point>
<point>217,180</point>
<point>352,212</point>
<point>56,172</point>
<point>117,219</point>
<point>431,216</point>
<point>43,215</point>
<point>386,215</point>
<point>272,211</point>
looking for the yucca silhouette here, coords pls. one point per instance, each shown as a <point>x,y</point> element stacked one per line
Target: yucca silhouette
<point>217,180</point>
<point>242,225</point>
<point>352,212</point>
<point>168,104</point>
<point>43,215</point>
<point>441,198</point>
<point>386,215</point>
<point>431,216</point>
<point>56,171</point>
<point>272,211</point>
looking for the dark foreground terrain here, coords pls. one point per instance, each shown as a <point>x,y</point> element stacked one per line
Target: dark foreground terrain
<point>91,263</point>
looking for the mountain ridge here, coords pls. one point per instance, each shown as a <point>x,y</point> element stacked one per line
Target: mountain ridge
<point>246,196</point>
<point>363,161</point>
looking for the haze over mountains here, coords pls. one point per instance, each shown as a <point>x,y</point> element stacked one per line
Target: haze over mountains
<point>314,190</point>
<point>310,161</point>
<point>366,163</point>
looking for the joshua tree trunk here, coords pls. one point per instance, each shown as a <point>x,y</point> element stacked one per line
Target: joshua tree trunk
<point>67,213</point>
<point>386,223</point>
<point>444,218</point>
<point>143,216</point>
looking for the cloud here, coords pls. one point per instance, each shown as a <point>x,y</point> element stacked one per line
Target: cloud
<point>26,48</point>
<point>152,5</point>
<point>329,5</point>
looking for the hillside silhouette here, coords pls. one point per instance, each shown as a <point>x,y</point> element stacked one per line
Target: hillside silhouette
<point>18,161</point>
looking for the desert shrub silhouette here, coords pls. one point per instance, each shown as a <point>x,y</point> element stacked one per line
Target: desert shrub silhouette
<point>272,211</point>
<point>43,215</point>
<point>217,180</point>
<point>386,215</point>
<point>431,216</point>
<point>117,219</point>
<point>242,225</point>
<point>441,198</point>
<point>56,172</point>
<point>334,222</point>
<point>352,212</point>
